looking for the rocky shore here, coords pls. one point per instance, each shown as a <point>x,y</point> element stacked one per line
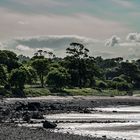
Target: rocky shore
<point>12,132</point>
<point>17,110</point>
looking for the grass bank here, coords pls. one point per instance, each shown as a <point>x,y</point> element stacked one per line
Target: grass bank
<point>37,91</point>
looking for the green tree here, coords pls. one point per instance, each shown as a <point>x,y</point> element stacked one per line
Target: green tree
<point>30,74</point>
<point>9,59</point>
<point>41,67</point>
<point>3,76</point>
<point>77,54</point>
<point>91,71</point>
<point>18,78</point>
<point>3,57</point>
<point>132,71</point>
<point>58,77</point>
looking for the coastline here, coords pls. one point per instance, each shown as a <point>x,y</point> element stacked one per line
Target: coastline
<point>11,132</point>
<point>52,105</point>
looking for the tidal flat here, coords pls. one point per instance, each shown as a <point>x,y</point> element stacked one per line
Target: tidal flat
<point>77,118</point>
<point>119,122</point>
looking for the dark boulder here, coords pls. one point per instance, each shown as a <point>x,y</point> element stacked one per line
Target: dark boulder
<point>49,125</point>
<point>37,115</point>
<point>85,110</point>
<point>27,117</point>
<point>34,106</point>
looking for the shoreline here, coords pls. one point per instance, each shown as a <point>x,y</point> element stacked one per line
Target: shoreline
<point>12,108</point>
<point>12,132</point>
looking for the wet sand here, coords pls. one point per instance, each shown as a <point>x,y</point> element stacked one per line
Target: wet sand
<point>12,132</point>
<point>113,122</point>
<point>13,108</point>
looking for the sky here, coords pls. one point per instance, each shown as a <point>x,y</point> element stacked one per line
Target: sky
<point>109,28</point>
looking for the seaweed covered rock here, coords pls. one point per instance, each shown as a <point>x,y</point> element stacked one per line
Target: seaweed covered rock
<point>49,125</point>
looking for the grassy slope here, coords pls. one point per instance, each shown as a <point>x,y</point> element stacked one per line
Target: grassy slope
<point>93,92</point>
<point>33,92</point>
<point>73,92</point>
<point>36,91</point>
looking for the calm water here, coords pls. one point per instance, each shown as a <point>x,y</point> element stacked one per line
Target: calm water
<point>126,125</point>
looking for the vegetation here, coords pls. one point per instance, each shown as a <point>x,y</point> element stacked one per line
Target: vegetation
<point>41,67</point>
<point>58,77</point>
<point>76,74</point>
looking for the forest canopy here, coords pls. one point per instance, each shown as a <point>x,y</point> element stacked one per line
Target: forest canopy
<point>77,70</point>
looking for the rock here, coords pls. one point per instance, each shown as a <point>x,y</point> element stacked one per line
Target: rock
<point>114,111</point>
<point>53,107</point>
<point>34,106</point>
<point>104,136</point>
<point>49,125</point>
<point>20,106</point>
<point>86,111</point>
<point>5,112</point>
<point>27,117</point>
<point>37,115</point>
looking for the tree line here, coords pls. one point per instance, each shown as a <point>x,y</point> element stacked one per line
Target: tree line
<point>77,69</point>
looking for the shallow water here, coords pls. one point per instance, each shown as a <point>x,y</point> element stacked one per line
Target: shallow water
<point>124,122</point>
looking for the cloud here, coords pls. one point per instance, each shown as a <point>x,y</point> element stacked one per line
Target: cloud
<point>44,49</point>
<point>53,41</point>
<point>106,54</point>
<point>57,44</point>
<point>19,25</point>
<point>1,45</point>
<point>114,40</point>
<point>129,44</point>
<point>124,3</point>
<point>131,50</point>
<point>133,37</point>
<point>23,48</point>
<point>23,22</point>
<point>134,53</point>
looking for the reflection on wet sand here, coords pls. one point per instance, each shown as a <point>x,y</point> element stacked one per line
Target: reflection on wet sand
<point>116,122</point>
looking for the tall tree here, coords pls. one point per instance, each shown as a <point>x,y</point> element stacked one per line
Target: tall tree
<point>18,78</point>
<point>41,67</point>
<point>9,59</point>
<point>58,77</point>
<point>77,53</point>
<point>3,76</point>
<point>132,71</point>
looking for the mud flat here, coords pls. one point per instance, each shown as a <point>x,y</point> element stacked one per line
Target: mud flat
<point>12,132</point>
<point>120,122</point>
<point>78,118</point>
<point>55,104</point>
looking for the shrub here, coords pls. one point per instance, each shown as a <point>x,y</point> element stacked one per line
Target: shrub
<point>118,79</point>
<point>101,84</point>
<point>18,93</point>
<point>126,78</point>
<point>7,87</point>
<point>124,86</point>
<point>111,84</point>
<point>58,77</point>
<point>18,78</point>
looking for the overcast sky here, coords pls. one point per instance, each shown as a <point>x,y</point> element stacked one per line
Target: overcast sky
<point>109,28</point>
